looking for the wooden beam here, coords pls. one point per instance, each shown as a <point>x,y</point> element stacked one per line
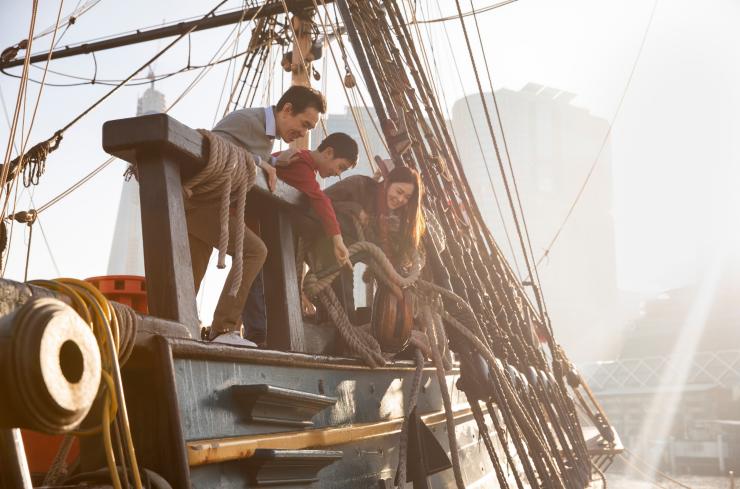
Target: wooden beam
<point>122,138</point>
<point>169,272</point>
<point>282,298</point>
<point>145,35</point>
<point>203,452</point>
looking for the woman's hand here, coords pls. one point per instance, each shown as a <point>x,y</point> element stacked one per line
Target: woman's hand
<point>270,175</point>
<point>307,306</point>
<point>340,251</point>
<point>363,218</point>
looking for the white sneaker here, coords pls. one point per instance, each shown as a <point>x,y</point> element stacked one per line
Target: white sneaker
<point>233,338</point>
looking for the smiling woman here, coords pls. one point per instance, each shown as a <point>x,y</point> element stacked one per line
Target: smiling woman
<point>389,211</point>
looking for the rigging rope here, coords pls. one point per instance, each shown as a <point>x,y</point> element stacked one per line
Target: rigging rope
<point>537,283</point>
<point>40,151</point>
<point>483,155</point>
<point>347,93</point>
<point>498,311</point>
<point>16,113</point>
<point>582,188</point>
<point>473,11</point>
<point>498,156</point>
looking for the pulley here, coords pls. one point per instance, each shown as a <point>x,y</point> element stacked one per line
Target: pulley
<point>349,80</point>
<point>51,367</point>
<point>392,318</point>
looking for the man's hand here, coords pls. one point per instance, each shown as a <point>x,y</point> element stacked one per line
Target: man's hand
<point>270,175</point>
<point>341,252</point>
<point>286,157</point>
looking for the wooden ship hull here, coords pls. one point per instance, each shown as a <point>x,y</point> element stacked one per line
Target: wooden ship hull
<point>208,415</point>
<point>254,418</point>
<point>192,413</point>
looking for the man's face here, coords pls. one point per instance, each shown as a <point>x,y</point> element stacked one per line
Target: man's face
<point>291,126</point>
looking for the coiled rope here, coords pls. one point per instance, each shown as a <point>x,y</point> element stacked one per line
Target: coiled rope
<point>227,177</point>
<point>114,327</point>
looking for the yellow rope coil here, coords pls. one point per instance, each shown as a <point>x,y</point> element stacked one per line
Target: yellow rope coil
<point>98,312</point>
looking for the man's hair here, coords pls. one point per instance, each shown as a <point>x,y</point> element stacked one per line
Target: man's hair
<point>343,144</point>
<point>301,98</point>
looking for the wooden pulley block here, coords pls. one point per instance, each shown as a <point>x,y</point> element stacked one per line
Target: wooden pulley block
<point>349,80</point>
<point>392,318</point>
<point>52,367</point>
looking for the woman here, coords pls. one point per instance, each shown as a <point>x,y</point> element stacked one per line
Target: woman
<point>389,212</point>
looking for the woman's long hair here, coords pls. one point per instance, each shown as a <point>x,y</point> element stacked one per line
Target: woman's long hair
<point>411,226</point>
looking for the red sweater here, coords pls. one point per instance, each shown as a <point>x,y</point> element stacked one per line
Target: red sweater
<point>301,174</point>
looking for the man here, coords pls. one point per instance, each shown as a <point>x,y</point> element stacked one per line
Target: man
<point>254,129</point>
<point>336,154</point>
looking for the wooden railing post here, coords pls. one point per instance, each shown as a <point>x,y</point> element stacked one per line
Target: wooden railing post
<point>169,272</point>
<point>282,298</point>
<point>166,153</point>
<point>163,151</point>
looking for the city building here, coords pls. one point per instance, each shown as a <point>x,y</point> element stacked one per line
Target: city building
<point>127,252</point>
<point>552,144</point>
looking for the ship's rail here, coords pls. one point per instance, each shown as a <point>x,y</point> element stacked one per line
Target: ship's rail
<point>167,153</point>
<point>720,368</point>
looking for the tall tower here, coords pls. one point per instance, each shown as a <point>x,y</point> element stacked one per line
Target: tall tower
<point>127,252</point>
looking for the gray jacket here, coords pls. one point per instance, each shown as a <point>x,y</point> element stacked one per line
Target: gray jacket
<point>246,127</point>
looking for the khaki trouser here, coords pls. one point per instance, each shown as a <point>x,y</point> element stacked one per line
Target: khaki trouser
<point>203,233</point>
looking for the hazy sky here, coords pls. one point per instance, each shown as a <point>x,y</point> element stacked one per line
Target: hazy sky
<point>674,149</point>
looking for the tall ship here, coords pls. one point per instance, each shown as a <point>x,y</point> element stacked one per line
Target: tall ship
<point>449,377</point>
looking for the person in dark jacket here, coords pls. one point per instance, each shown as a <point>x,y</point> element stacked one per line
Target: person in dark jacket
<point>389,212</point>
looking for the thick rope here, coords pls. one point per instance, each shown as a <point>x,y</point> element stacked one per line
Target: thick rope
<point>377,262</point>
<point>58,470</point>
<point>403,443</point>
<point>228,175</point>
<point>449,418</point>
<point>128,325</point>
<point>358,340</point>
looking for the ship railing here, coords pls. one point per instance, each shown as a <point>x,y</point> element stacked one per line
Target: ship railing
<point>166,153</point>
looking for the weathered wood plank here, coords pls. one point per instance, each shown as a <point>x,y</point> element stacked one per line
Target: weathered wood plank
<point>123,137</point>
<point>14,471</point>
<point>169,273</point>
<point>283,301</point>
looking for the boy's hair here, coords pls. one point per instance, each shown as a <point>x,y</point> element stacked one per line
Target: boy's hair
<point>301,98</point>
<point>343,144</point>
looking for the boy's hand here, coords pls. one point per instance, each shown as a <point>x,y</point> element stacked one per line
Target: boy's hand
<point>270,174</point>
<point>341,252</point>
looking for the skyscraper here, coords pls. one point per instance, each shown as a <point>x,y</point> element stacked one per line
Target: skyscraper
<point>127,252</point>
<point>552,144</point>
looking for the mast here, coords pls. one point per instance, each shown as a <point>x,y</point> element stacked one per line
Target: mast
<point>300,61</point>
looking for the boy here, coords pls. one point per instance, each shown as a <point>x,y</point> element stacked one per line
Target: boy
<point>336,154</point>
